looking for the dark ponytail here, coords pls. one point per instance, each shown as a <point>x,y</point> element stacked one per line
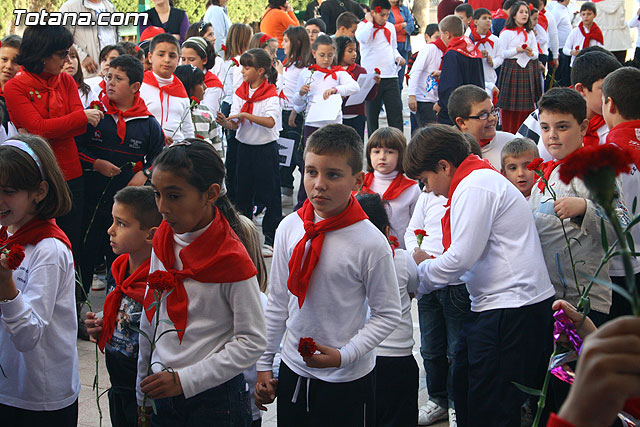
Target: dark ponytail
<point>259,58</point>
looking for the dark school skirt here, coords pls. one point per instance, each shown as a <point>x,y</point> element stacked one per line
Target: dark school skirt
<point>520,88</point>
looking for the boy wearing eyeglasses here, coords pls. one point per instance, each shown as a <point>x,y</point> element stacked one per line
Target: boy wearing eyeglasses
<point>472,111</point>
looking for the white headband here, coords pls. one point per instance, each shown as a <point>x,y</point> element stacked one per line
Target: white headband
<point>21,145</point>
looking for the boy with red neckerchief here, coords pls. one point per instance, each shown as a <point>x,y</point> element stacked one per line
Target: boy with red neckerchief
<point>507,338</point>
<point>423,80</point>
<point>489,46</point>
<point>135,220</point>
<point>622,114</point>
<point>127,135</point>
<point>164,94</point>
<point>461,65</point>
<point>586,34</point>
<point>499,17</point>
<point>325,292</point>
<point>379,49</point>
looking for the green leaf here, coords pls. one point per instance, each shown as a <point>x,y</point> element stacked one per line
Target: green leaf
<point>167,321</point>
<point>166,332</point>
<point>634,205</point>
<point>3,374</point>
<point>577,241</point>
<point>152,305</point>
<point>633,222</point>
<point>603,235</point>
<point>140,331</point>
<point>95,382</point>
<point>616,288</point>
<point>632,245</point>
<point>528,390</point>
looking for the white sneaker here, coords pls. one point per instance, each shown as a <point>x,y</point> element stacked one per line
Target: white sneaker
<point>287,200</point>
<point>452,418</point>
<point>97,285</point>
<point>267,251</point>
<point>431,413</point>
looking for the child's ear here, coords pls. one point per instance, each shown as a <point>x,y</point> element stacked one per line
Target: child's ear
<point>611,106</point>
<point>583,127</point>
<point>359,181</point>
<point>42,191</point>
<point>213,193</point>
<point>150,233</point>
<point>135,87</point>
<point>461,124</point>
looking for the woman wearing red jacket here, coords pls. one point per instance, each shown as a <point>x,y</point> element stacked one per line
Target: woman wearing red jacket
<point>43,100</point>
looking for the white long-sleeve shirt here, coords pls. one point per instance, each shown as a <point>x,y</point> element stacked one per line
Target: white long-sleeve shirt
<point>173,115</point>
<point>213,97</point>
<point>574,39</point>
<point>563,18</point>
<point>511,40</point>
<point>355,272</point>
<point>552,30</point>
<point>378,52</point>
<point>224,336</point>
<point>290,85</point>
<point>502,266</point>
<point>399,209</point>
<point>429,59</point>
<point>400,342</point>
<point>38,331</point>
<point>226,77</point>
<point>635,23</point>
<point>542,37</point>
<point>252,133</point>
<point>493,150</point>
<point>490,75</point>
<point>345,85</point>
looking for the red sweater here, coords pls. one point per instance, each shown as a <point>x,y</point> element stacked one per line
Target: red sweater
<point>31,112</point>
<point>632,406</point>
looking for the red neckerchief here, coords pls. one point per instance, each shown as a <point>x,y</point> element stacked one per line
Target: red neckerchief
<point>397,186</point>
<point>211,80</point>
<point>594,34</point>
<point>479,39</point>
<point>627,135</point>
<point>468,165</point>
<point>264,91</point>
<point>133,286</point>
<point>519,30</point>
<point>103,88</point>
<point>45,82</point>
<point>385,30</point>
<point>499,14</point>
<point>327,72</point>
<point>350,69</point>
<point>465,46</point>
<point>216,256</point>
<point>592,138</point>
<point>485,142</point>
<point>138,109</point>
<point>632,406</point>
<point>547,168</point>
<point>443,49</point>
<point>32,232</point>
<point>175,88</point>
<point>542,19</point>
<point>301,267</point>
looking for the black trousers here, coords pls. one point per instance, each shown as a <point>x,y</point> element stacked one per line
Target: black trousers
<point>302,193</point>
<point>258,178</point>
<point>319,403</point>
<point>72,222</point>
<point>388,93</point>
<point>563,73</point>
<point>619,305</point>
<point>495,349</point>
<point>17,417</point>
<point>357,123</point>
<point>295,133</point>
<point>396,391</point>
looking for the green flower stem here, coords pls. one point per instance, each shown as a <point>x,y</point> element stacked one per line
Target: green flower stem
<point>543,393</point>
<point>143,412</point>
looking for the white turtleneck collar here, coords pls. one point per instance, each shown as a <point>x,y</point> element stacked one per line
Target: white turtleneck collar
<point>163,81</point>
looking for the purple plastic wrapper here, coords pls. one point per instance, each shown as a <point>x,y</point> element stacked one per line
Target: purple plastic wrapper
<point>558,364</point>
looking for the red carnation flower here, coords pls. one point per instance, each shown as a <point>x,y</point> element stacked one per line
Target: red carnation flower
<point>376,70</point>
<point>378,9</point>
<point>97,105</point>
<point>137,167</point>
<point>577,48</point>
<point>224,48</point>
<point>419,232</point>
<point>307,347</point>
<point>524,46</point>
<point>235,62</point>
<point>535,164</point>
<point>194,100</point>
<point>14,256</point>
<point>393,241</point>
<point>161,281</point>
<point>587,162</point>
<point>199,136</point>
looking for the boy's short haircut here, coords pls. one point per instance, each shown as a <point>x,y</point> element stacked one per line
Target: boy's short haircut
<point>506,4</point>
<point>472,142</point>
<point>164,38</point>
<point>387,137</point>
<point>133,50</point>
<point>517,147</point>
<point>589,6</point>
<point>383,4</point>
<point>564,101</point>
<point>322,39</point>
<point>107,49</point>
<point>347,20</point>
<point>594,48</point>
<point>466,8</point>
<point>452,24</point>
<point>431,29</point>
<point>623,87</point>
<point>337,139</point>
<point>132,67</point>
<point>142,202</point>
<point>431,144</point>
<point>477,14</point>
<point>462,99</point>
<point>11,40</point>
<point>591,67</point>
<point>318,23</point>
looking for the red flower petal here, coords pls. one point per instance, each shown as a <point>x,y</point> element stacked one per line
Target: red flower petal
<point>377,70</point>
<point>137,167</point>
<point>97,105</point>
<point>235,62</point>
<point>195,100</point>
<point>524,46</point>
<point>535,164</point>
<point>589,160</point>
<point>307,347</point>
<point>15,257</point>
<point>161,281</point>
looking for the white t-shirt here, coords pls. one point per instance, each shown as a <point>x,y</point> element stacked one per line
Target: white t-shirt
<point>106,35</point>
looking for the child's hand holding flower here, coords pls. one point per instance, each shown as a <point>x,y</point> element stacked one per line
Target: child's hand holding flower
<point>305,90</point>
<point>327,93</point>
<point>419,256</point>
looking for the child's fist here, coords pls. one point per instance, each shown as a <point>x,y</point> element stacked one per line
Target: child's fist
<point>94,326</point>
<point>327,93</point>
<point>304,90</point>
<point>570,207</point>
<point>265,391</point>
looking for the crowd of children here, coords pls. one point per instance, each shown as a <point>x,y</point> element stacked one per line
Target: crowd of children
<point>163,166</point>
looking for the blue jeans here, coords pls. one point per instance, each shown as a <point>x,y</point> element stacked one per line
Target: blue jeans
<point>441,314</point>
<point>226,405</point>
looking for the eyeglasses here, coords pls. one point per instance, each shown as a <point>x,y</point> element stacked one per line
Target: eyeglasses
<point>485,116</point>
<point>63,53</point>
